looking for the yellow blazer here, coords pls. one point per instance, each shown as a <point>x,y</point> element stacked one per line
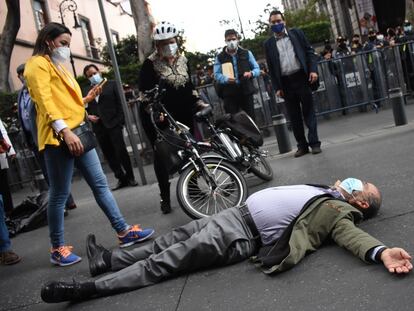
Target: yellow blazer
<point>56,95</point>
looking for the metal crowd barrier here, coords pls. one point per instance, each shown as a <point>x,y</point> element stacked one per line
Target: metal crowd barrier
<point>367,80</point>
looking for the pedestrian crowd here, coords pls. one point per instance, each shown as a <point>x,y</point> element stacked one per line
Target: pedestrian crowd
<point>277,226</point>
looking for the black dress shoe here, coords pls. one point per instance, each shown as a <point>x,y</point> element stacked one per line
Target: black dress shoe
<point>54,292</point>
<point>120,184</point>
<point>316,150</point>
<point>165,207</point>
<point>132,183</point>
<point>301,152</point>
<point>95,253</point>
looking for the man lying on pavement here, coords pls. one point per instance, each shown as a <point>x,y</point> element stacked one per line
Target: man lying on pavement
<point>276,228</point>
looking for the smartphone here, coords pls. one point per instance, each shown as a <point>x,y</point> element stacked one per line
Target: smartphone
<point>102,83</point>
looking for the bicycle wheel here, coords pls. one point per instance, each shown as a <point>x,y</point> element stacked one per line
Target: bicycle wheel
<point>196,194</point>
<point>261,167</point>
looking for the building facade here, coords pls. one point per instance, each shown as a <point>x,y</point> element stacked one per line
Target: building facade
<point>87,39</point>
<point>357,16</point>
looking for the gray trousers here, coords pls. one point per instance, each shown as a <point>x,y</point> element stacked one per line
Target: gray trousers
<point>218,240</point>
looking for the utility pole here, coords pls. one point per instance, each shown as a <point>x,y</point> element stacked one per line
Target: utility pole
<point>128,121</point>
<point>241,24</point>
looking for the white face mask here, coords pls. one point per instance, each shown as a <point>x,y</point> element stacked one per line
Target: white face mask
<point>232,45</point>
<point>170,49</point>
<point>380,37</point>
<point>61,54</point>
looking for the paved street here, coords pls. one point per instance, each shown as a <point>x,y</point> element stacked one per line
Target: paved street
<point>364,145</point>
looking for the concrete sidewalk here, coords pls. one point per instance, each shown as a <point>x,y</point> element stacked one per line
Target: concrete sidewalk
<point>365,145</point>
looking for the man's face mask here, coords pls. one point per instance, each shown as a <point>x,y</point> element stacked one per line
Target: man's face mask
<point>408,28</point>
<point>96,79</point>
<point>351,184</point>
<point>232,44</point>
<point>278,28</point>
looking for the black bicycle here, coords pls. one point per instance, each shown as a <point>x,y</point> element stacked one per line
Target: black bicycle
<point>207,183</point>
<point>238,139</point>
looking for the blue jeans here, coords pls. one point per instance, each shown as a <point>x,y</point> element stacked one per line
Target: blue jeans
<point>4,233</point>
<point>60,169</point>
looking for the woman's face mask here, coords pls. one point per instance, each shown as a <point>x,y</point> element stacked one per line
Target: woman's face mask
<point>61,54</point>
<point>170,49</point>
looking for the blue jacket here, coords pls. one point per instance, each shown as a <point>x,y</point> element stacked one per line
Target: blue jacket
<point>304,52</point>
<point>31,135</point>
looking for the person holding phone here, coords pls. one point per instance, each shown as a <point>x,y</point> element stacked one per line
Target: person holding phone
<point>107,118</point>
<point>60,109</point>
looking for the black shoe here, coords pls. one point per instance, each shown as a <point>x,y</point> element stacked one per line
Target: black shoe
<point>71,206</point>
<point>95,253</point>
<point>132,183</point>
<point>301,152</point>
<point>316,150</point>
<point>120,184</point>
<point>53,292</point>
<point>165,207</point>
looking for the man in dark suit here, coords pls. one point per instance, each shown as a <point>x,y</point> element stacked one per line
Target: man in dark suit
<point>107,118</point>
<point>278,226</point>
<point>292,66</point>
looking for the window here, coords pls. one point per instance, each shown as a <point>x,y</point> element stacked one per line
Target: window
<point>40,14</point>
<point>115,37</point>
<point>91,50</point>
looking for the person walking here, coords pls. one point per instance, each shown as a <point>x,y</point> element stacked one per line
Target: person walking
<point>107,117</point>
<point>278,226</point>
<point>61,110</point>
<point>180,98</point>
<point>236,85</point>
<point>26,112</point>
<point>292,67</point>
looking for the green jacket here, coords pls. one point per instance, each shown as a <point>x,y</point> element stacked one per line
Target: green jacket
<point>324,218</point>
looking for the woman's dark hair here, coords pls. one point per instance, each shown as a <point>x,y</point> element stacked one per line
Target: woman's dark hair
<point>50,32</point>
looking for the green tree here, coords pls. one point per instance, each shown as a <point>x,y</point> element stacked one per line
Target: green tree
<point>126,52</point>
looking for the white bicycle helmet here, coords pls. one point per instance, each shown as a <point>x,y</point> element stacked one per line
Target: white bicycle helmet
<point>164,30</point>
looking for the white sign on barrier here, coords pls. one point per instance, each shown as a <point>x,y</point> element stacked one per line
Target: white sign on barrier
<point>352,79</point>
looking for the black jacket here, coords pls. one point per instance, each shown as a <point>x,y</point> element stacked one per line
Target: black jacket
<point>108,106</point>
<point>303,50</point>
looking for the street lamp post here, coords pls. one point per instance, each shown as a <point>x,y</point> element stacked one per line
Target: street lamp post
<point>71,6</point>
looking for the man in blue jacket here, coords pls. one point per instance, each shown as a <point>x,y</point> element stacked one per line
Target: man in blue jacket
<point>293,69</point>
<point>237,89</point>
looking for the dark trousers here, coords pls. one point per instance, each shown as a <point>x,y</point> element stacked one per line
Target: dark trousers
<point>5,191</point>
<point>218,240</point>
<point>239,101</point>
<point>114,150</point>
<point>299,106</point>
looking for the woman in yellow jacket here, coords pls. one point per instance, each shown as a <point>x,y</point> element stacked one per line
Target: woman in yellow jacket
<point>60,108</point>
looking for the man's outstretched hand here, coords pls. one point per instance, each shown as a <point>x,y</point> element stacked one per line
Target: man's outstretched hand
<point>396,260</point>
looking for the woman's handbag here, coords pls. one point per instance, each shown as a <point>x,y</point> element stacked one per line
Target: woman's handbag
<point>86,136</point>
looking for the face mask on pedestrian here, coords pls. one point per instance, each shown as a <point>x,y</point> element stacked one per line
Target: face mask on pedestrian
<point>380,37</point>
<point>61,54</point>
<point>408,28</point>
<point>170,49</point>
<point>22,80</point>
<point>278,28</point>
<point>372,38</point>
<point>352,184</point>
<point>96,79</point>
<point>232,44</point>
